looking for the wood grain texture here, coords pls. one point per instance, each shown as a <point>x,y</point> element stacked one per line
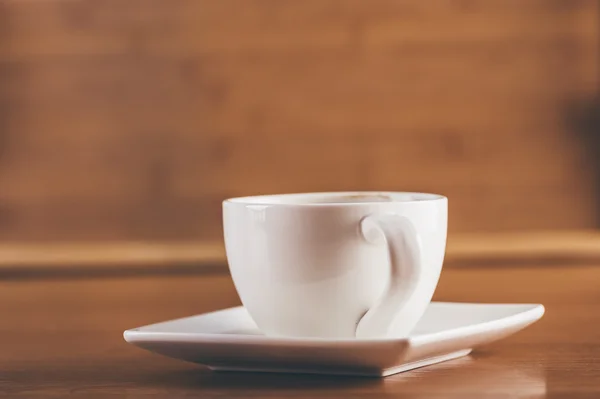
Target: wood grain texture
<point>134,119</point>
<point>64,338</point>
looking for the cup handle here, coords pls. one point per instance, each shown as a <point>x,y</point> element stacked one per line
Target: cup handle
<point>404,248</point>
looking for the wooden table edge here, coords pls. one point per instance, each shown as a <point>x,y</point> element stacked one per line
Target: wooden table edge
<point>463,249</point>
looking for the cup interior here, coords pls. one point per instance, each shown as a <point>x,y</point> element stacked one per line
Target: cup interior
<point>337,198</point>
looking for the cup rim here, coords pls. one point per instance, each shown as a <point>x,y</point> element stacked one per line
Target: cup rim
<point>287,199</point>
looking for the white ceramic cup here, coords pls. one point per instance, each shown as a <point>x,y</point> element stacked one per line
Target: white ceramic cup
<point>336,265</point>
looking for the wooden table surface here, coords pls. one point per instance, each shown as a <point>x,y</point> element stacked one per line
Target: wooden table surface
<point>63,336</point>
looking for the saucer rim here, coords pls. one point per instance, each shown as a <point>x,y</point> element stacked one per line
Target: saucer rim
<point>531,313</point>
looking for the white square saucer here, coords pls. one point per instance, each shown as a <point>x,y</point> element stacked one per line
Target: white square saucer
<point>229,340</point>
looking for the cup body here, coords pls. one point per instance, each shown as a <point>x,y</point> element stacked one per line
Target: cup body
<point>303,269</point>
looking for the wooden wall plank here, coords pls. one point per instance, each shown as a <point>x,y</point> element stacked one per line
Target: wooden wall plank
<point>134,119</point>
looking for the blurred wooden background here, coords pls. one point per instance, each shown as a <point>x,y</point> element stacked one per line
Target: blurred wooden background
<point>134,119</point>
